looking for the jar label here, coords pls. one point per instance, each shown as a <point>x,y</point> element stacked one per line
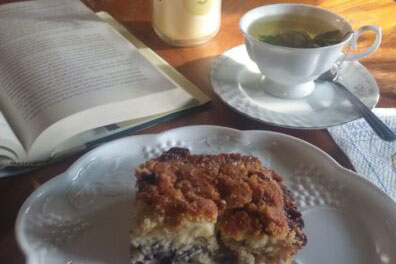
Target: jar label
<point>199,7</point>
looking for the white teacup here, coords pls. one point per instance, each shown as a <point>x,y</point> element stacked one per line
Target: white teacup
<point>290,72</point>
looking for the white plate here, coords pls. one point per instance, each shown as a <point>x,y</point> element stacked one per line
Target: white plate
<point>236,80</point>
<point>82,216</point>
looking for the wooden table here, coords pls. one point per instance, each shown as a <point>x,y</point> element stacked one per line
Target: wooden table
<point>194,63</point>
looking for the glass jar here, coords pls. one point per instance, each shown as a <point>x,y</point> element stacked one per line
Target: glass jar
<point>186,22</point>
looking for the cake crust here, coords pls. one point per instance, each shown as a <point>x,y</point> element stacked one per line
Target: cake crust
<point>245,201</point>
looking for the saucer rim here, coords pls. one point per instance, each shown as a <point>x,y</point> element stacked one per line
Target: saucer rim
<point>225,56</point>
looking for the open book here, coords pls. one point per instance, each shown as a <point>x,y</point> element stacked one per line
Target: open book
<point>69,78</point>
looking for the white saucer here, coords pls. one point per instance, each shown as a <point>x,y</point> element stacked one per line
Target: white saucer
<point>236,80</point>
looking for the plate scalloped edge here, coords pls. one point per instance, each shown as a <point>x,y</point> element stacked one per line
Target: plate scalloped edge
<point>310,184</point>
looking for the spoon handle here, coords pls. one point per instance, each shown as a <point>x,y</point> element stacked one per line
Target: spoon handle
<point>382,130</point>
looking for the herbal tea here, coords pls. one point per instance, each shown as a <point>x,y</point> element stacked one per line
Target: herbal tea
<point>296,31</point>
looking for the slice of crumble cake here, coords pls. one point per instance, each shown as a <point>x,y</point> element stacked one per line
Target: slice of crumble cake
<point>223,208</point>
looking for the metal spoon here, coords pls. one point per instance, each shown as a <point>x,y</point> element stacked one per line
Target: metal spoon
<point>382,130</point>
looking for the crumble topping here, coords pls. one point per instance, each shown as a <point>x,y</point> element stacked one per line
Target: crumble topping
<point>245,198</point>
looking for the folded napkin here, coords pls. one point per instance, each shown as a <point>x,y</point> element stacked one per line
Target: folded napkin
<point>372,157</point>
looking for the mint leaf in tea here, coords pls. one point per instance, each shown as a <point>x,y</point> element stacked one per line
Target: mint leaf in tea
<point>293,39</point>
<point>296,31</point>
<point>328,38</point>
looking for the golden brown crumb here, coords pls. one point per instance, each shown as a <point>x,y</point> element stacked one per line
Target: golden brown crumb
<point>246,198</point>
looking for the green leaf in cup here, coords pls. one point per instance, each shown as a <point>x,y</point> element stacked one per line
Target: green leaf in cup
<point>268,39</point>
<point>293,39</point>
<point>301,39</point>
<point>328,38</point>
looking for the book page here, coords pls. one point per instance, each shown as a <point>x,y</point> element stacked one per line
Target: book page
<point>94,137</point>
<point>58,59</point>
<point>10,146</point>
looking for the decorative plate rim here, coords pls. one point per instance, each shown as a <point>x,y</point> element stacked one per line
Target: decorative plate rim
<point>29,251</point>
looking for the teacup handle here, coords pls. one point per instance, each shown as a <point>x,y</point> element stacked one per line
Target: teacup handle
<point>371,49</point>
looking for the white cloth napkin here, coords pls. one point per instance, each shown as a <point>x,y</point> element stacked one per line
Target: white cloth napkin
<point>372,157</point>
